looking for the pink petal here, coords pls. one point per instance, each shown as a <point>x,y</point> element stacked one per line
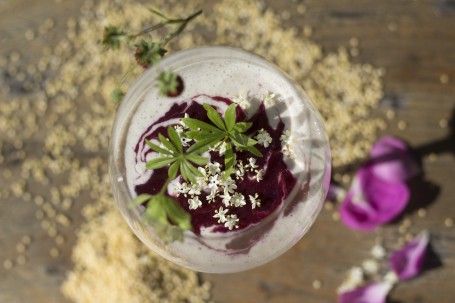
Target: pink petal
<point>392,160</point>
<point>371,201</point>
<point>408,261</point>
<point>372,293</point>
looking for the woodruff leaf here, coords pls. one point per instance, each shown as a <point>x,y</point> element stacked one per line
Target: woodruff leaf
<point>176,214</point>
<point>195,125</point>
<point>158,163</point>
<point>242,127</point>
<point>230,116</point>
<point>167,143</point>
<point>173,169</point>
<point>157,148</point>
<point>229,160</point>
<point>214,116</point>
<point>175,139</point>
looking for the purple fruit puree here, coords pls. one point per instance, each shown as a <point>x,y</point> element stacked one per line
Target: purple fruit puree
<point>272,190</point>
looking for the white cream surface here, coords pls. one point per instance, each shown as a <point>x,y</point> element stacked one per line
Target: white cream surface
<point>229,78</point>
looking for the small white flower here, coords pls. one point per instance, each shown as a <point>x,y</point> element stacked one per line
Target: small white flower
<point>287,137</point>
<point>185,141</point>
<point>239,173</point>
<point>229,186</point>
<point>231,222</point>
<point>194,203</point>
<point>269,98</point>
<point>259,175</point>
<point>255,202</point>
<point>221,214</point>
<point>264,138</point>
<point>238,200</point>
<point>182,188</point>
<point>226,199</point>
<point>222,149</point>
<point>195,189</point>
<point>251,164</point>
<point>242,100</point>
<point>178,129</point>
<point>211,197</point>
<point>214,181</point>
<point>288,152</point>
<point>213,168</point>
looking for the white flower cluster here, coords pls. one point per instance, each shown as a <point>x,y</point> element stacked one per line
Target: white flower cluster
<point>213,184</point>
<point>287,139</point>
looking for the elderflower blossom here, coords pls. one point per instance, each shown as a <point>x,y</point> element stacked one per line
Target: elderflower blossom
<point>222,148</point>
<point>194,203</point>
<point>181,188</point>
<point>255,202</point>
<point>178,129</point>
<point>288,152</point>
<point>269,98</point>
<point>231,222</point>
<point>242,100</point>
<point>211,197</point>
<point>229,186</point>
<point>195,189</point>
<point>251,164</point>
<point>226,199</point>
<point>259,175</point>
<point>214,168</point>
<point>264,138</point>
<point>221,214</point>
<point>238,200</point>
<point>287,137</point>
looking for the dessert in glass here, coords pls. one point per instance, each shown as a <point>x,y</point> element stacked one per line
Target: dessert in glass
<point>246,204</point>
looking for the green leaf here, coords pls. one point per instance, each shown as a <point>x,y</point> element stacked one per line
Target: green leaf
<point>157,148</point>
<point>195,134</point>
<point>141,199</point>
<point>193,170</point>
<point>242,140</point>
<point>253,150</point>
<point>175,139</point>
<point>177,214</point>
<point>199,160</point>
<point>205,144</point>
<point>172,172</point>
<point>159,162</point>
<point>155,211</point>
<point>242,127</point>
<point>214,116</point>
<point>167,143</point>
<point>186,171</point>
<point>228,160</point>
<point>195,124</point>
<point>230,116</point>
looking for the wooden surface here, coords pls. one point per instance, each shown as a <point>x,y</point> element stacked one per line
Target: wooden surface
<point>413,40</point>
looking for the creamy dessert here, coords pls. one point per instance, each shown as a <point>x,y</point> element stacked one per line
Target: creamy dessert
<point>267,200</point>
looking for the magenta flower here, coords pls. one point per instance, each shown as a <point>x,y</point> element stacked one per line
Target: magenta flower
<point>379,192</point>
<point>371,201</point>
<point>372,293</point>
<point>408,261</point>
<point>391,160</point>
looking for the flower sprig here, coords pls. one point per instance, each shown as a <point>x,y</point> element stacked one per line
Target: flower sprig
<point>147,51</point>
<point>174,152</point>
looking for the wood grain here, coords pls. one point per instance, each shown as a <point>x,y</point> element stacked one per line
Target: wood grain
<point>413,40</point>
